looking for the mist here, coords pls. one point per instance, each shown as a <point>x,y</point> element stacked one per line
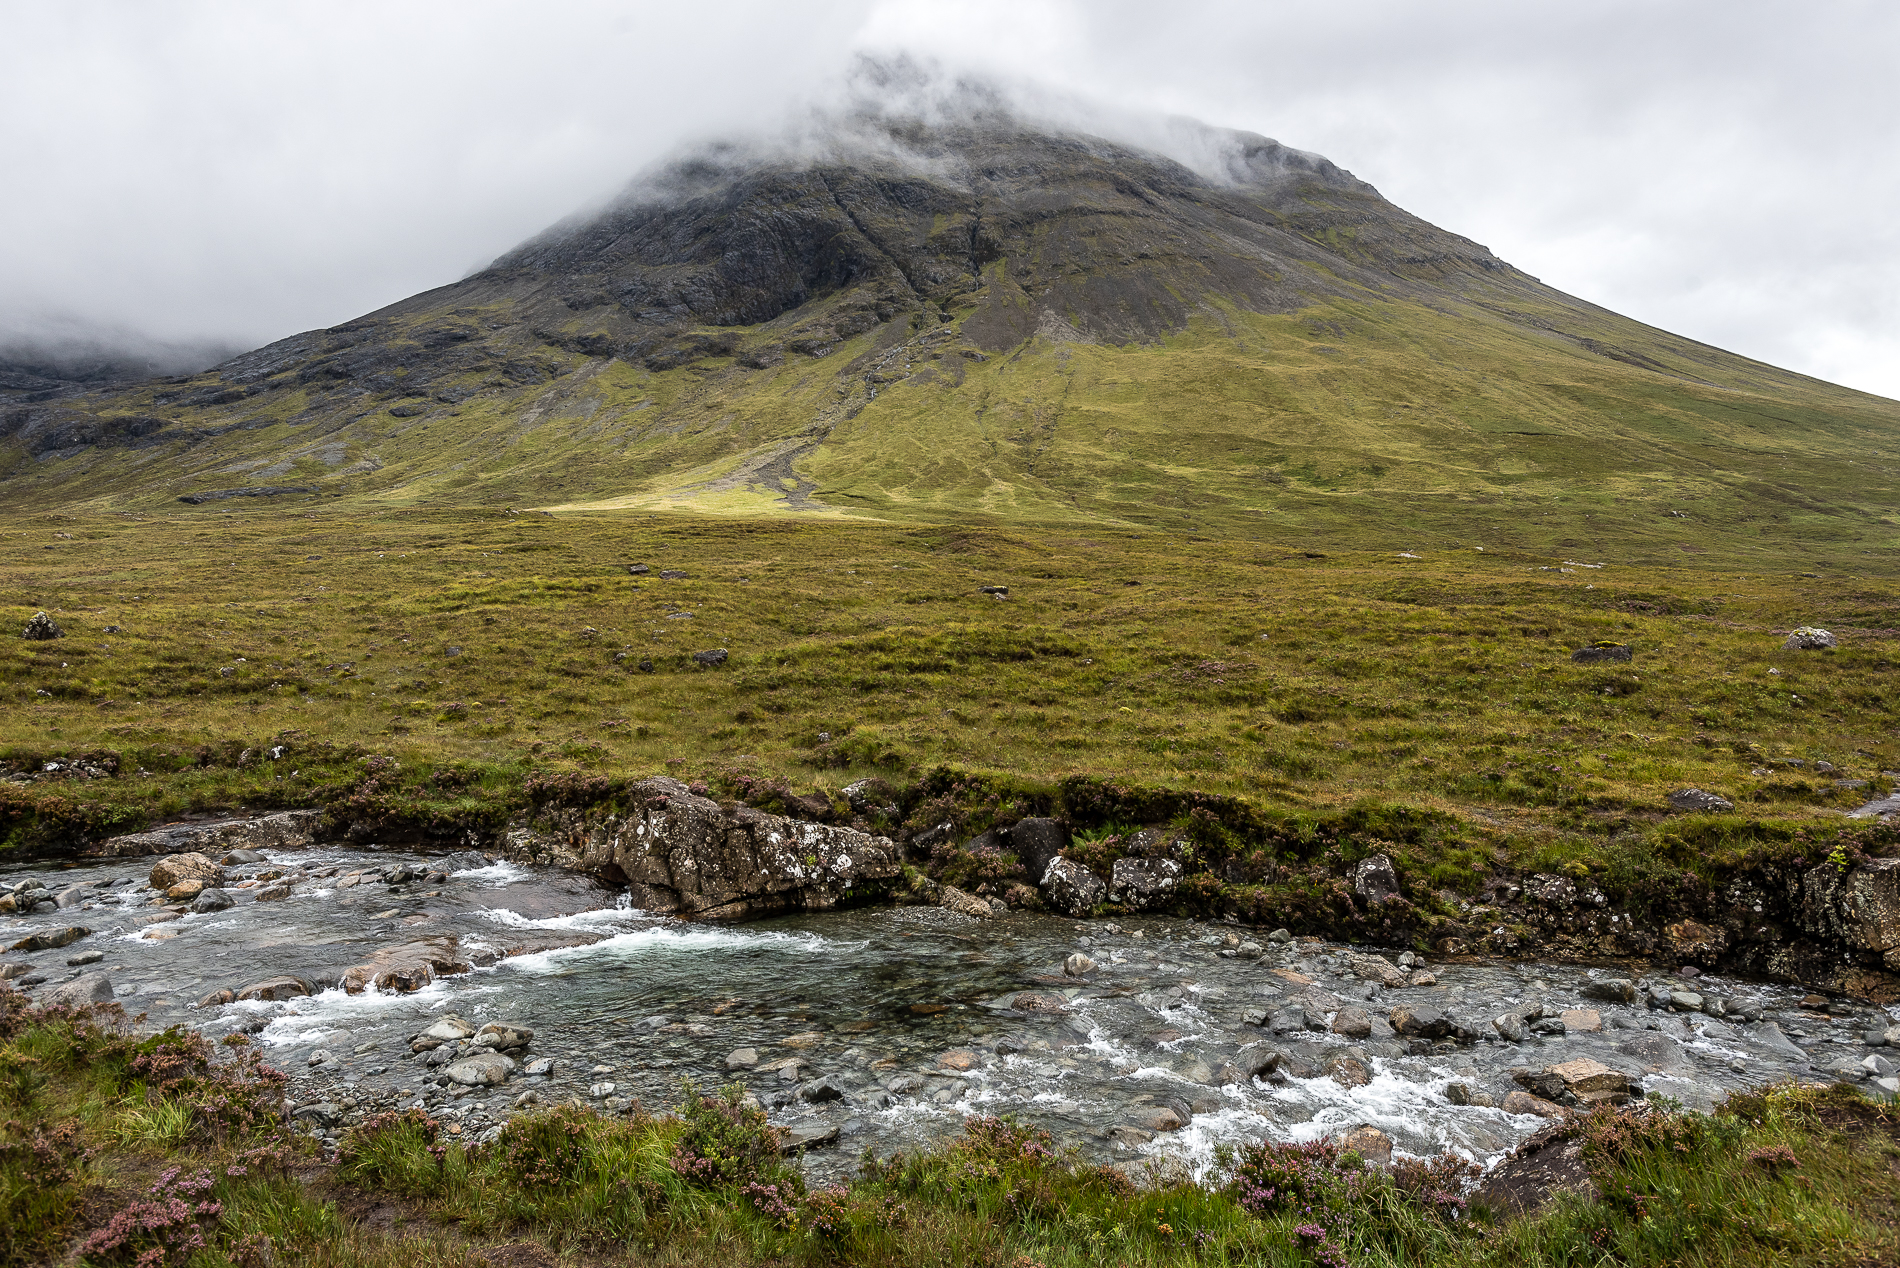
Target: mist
<point>204,177</point>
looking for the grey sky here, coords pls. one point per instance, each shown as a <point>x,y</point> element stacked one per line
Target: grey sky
<point>1728,169</point>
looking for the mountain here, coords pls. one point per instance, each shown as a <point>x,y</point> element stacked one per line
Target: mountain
<point>981,319</point>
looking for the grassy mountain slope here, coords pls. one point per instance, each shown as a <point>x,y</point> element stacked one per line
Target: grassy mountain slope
<point>987,324</point>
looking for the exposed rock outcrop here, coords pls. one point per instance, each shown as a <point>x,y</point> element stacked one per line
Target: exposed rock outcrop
<point>680,853</point>
<point>289,830</point>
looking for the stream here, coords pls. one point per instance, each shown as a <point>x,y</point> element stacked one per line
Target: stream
<point>883,1028</point>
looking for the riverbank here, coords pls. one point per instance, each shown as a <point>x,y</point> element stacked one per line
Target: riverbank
<point>166,1150</point>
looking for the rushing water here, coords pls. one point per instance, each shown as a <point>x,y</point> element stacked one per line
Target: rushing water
<point>875,998</point>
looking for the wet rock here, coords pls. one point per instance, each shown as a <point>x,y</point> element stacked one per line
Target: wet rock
<point>242,858</point>
<point>276,988</point>
<point>481,1069</point>
<point>540,1067</point>
<point>1034,1002</point>
<point>8,972</point>
<point>1521,1102</point>
<point>408,966</point>
<point>211,900</point>
<point>71,896</point>
<point>950,898</point>
<point>1069,887</point>
<point>89,988</point>
<point>1346,1071</point>
<point>1458,1094</point>
<point>1601,653</point>
<point>1162,1118</point>
<point>742,1058</point>
<point>1376,968</point>
<point>683,854</point>
<point>1353,1023</point>
<point>179,868</point>
<point>957,1059</point>
<point>447,1028</point>
<point>1616,990</point>
<point>1280,937</point>
<point>1078,965</point>
<point>1288,1020</point>
<point>1583,1082</point>
<point>320,1056</point>
<point>504,1036</point>
<point>1808,638</point>
<point>802,1136</point>
<point>1770,1036</point>
<point>1686,1001</point>
<point>185,891</point>
<point>41,628</point>
<point>274,893</point>
<point>1369,1143</point>
<point>216,998</point>
<point>52,939</point>
<point>1125,1136</point>
<point>818,1091</point>
<point>1694,800</point>
<point>1144,883</point>
<point>84,958</point>
<point>320,1113</point>
<point>1581,1020</point>
<point>1375,880</point>
<point>1419,1022</point>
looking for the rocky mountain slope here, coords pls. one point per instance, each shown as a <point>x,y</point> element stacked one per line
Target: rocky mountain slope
<point>987,321</point>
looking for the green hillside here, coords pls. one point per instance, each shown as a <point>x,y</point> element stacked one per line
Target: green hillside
<point>1011,327</point>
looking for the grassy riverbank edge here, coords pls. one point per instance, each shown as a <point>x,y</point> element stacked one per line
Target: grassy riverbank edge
<point>122,1148</point>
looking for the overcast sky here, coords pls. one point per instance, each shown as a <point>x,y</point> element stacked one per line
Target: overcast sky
<point>1728,169</point>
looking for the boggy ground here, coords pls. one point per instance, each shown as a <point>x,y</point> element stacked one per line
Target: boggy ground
<point>160,1150</point>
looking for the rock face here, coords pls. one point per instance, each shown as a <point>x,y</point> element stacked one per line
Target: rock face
<point>682,854</point>
<point>1694,800</point>
<point>1809,639</point>
<point>1601,654</point>
<point>177,869</point>
<point>1859,906</point>
<point>1069,887</point>
<point>290,830</point>
<point>408,966</point>
<point>1144,883</point>
<point>1036,843</point>
<point>42,628</point>
<point>1375,880</point>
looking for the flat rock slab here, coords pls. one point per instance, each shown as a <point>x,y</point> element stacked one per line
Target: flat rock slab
<point>408,966</point>
<point>289,830</point>
<point>481,1069</point>
<point>808,1136</point>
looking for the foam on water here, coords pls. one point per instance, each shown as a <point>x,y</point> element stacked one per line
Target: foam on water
<point>636,944</point>
<point>495,875</point>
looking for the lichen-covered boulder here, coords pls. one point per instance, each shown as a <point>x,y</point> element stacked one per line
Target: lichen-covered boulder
<point>1374,879</point>
<point>1807,638</point>
<point>42,628</point>
<point>1143,883</point>
<point>1069,887</point>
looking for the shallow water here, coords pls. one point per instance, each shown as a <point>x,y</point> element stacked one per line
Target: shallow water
<point>875,997</point>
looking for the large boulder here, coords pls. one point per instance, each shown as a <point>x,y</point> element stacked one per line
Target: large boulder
<point>682,854</point>
<point>1069,887</point>
<point>950,898</point>
<point>1376,968</point>
<point>1420,1022</point>
<point>1583,1082</point>
<point>1143,883</point>
<point>52,939</point>
<point>1375,880</point>
<point>276,988</point>
<point>287,830</point>
<point>1036,842</point>
<point>177,869</point>
<point>1858,906</point>
<point>42,628</point>
<point>408,966</point>
<point>481,1069</point>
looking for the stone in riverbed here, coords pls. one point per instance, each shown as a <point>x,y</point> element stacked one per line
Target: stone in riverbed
<point>1032,1002</point>
<point>85,957</point>
<point>504,1036</point>
<point>408,966</point>
<point>1581,1020</point>
<point>90,988</point>
<point>1524,1103</point>
<point>276,988</point>
<point>1069,887</point>
<point>1346,1071</point>
<point>742,1058</point>
<point>1616,990</point>
<point>808,1136</point>
<point>1376,968</point>
<point>1078,965</point>
<point>52,940</point>
<point>445,1029</point>
<point>1353,1023</point>
<point>216,998</point>
<point>957,1059</point>
<point>210,900</point>
<point>1419,1022</point>
<point>481,1069</point>
<point>1162,1118</point>
<point>186,890</point>
<point>175,869</point>
<point>274,893</point>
